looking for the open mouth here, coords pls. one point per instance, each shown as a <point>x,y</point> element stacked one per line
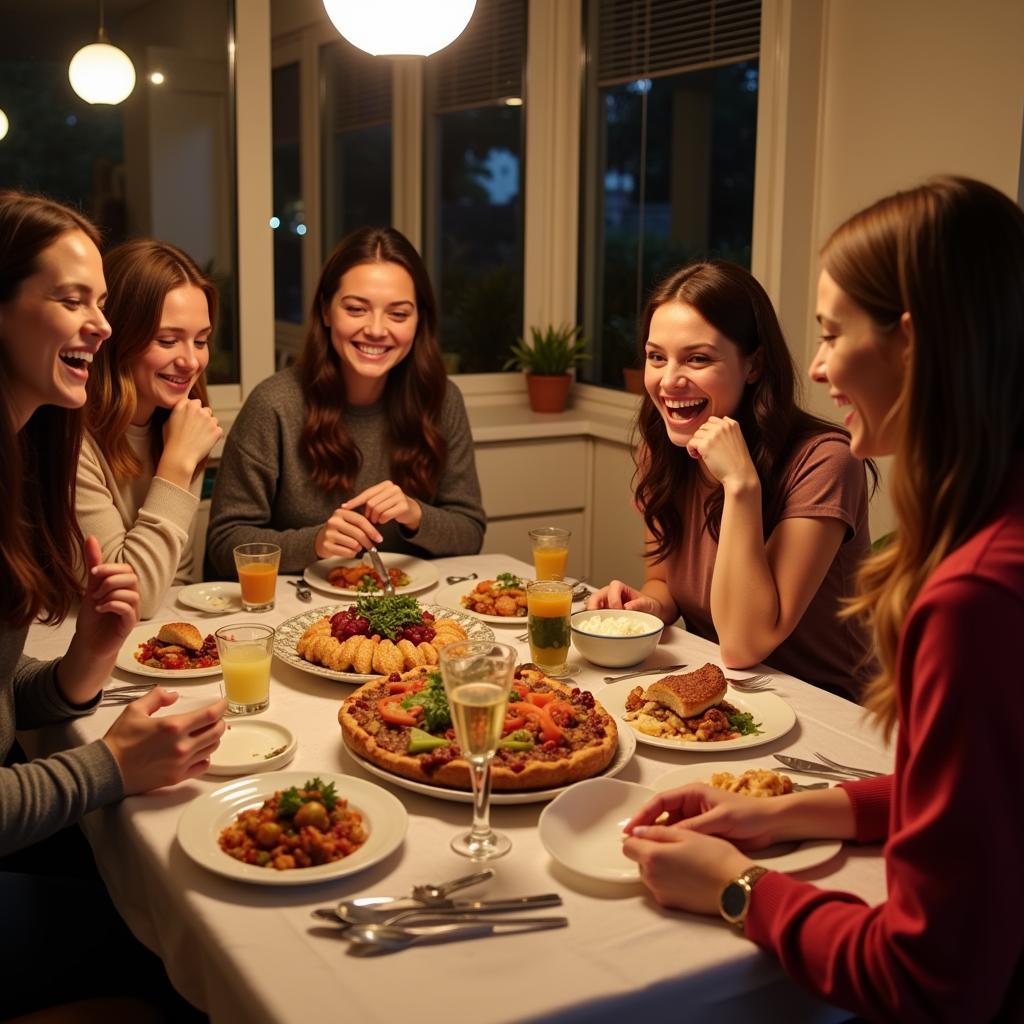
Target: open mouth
<point>176,382</point>
<point>373,351</point>
<point>684,411</point>
<point>77,359</point>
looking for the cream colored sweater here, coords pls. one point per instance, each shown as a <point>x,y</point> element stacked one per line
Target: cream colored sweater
<point>147,522</point>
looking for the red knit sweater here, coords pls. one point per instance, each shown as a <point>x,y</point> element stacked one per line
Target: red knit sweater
<point>948,943</point>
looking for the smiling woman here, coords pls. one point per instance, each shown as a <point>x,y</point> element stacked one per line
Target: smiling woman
<point>150,427</point>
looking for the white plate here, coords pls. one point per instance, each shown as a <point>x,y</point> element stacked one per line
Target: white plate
<point>788,857</point>
<point>127,663</point>
<point>623,755</point>
<point>205,817</point>
<point>775,716</point>
<point>288,634</point>
<point>452,595</point>
<point>582,828</point>
<point>421,574</point>
<point>213,598</point>
<point>251,745</point>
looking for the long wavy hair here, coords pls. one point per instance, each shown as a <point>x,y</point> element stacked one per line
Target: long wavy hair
<point>139,275</point>
<point>731,301</point>
<point>951,254</point>
<point>41,539</point>
<point>413,392</point>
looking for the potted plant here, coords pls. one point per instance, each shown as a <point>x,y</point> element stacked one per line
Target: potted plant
<point>547,362</point>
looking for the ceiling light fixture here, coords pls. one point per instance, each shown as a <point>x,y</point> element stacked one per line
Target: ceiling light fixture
<point>400,28</point>
<point>100,72</point>
<point>4,125</point>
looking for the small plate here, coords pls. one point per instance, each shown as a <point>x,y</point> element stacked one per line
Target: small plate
<point>127,663</point>
<point>251,745</point>
<point>212,598</point>
<point>775,716</point>
<point>582,828</point>
<point>421,574</point>
<point>205,817</point>
<point>288,634</point>
<point>623,755</point>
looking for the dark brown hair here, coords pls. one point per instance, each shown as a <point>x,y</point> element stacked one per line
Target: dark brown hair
<point>951,254</point>
<point>414,390</point>
<point>40,541</point>
<point>731,301</point>
<point>139,275</point>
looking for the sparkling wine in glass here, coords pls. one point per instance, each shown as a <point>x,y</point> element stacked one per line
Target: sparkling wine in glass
<point>477,677</point>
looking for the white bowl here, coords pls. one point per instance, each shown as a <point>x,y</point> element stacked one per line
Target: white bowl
<point>582,828</point>
<point>616,651</point>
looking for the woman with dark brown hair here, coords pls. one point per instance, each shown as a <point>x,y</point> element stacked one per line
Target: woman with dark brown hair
<point>364,442</point>
<point>921,307</point>
<point>149,425</point>
<point>755,512</point>
<point>52,292</point>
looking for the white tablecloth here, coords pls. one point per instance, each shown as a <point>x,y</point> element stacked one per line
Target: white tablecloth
<point>252,953</point>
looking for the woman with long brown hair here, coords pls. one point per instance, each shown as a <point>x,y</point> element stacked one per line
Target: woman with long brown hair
<point>755,512</point>
<point>921,305</point>
<point>150,427</point>
<point>52,292</point>
<point>364,442</point>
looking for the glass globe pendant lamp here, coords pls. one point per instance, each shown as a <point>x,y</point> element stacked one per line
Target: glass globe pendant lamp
<point>100,72</point>
<point>400,28</point>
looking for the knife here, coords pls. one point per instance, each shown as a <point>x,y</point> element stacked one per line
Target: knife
<point>378,565</point>
<point>813,768</point>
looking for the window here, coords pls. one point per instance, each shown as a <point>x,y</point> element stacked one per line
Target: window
<point>672,111</point>
<point>288,220</point>
<point>474,205</point>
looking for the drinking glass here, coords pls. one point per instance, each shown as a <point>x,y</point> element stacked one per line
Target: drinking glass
<point>550,551</point>
<point>257,566</point>
<point>477,678</point>
<point>245,654</point>
<point>548,613</point>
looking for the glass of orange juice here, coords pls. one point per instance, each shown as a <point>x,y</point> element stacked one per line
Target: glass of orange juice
<point>257,566</point>
<point>548,610</point>
<point>245,654</point>
<point>550,551</point>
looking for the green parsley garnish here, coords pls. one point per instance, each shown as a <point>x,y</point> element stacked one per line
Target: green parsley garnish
<point>514,695</point>
<point>313,789</point>
<point>389,613</point>
<point>743,722</point>
<point>367,585</point>
<point>508,581</point>
<point>437,715</point>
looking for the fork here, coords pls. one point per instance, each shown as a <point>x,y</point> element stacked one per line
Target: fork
<point>378,564</point>
<point>866,773</point>
<point>644,672</point>
<point>751,685</point>
<point>302,591</point>
<point>460,579</point>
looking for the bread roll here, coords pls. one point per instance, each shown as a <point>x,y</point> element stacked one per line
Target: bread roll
<point>183,634</point>
<point>690,693</point>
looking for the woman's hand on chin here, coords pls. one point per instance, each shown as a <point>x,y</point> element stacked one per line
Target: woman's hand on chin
<point>386,502</point>
<point>719,445</point>
<point>345,534</point>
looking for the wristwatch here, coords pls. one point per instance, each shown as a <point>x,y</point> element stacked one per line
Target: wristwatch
<point>734,903</point>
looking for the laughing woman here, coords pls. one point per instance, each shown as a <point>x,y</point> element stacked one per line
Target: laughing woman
<point>365,441</point>
<point>149,424</point>
<point>755,511</point>
<point>921,307</point>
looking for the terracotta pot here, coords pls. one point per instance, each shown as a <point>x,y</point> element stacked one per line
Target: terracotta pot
<point>548,393</point>
<point>634,380</point>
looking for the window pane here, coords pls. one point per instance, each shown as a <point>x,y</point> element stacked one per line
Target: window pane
<point>289,217</point>
<point>673,190</point>
<point>161,163</point>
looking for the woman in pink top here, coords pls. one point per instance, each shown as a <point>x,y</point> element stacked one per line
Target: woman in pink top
<point>921,306</point>
<point>755,511</point>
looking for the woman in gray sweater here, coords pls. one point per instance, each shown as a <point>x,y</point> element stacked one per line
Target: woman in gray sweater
<point>365,441</point>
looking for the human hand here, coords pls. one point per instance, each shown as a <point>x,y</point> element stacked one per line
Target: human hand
<point>110,608</point>
<point>385,502</point>
<point>621,595</point>
<point>719,444</point>
<point>190,433</point>
<point>345,534</point>
<point>154,752</point>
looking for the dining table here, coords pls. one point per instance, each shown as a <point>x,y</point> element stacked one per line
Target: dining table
<point>249,952</point>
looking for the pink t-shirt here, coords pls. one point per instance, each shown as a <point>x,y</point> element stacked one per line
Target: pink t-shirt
<point>823,479</point>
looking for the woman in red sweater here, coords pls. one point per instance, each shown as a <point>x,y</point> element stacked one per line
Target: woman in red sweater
<point>921,305</point>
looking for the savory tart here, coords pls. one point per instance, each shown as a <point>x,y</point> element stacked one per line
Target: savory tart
<point>553,734</point>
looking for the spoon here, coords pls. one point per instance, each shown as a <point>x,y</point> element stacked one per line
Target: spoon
<point>460,579</point>
<point>387,912</point>
<point>429,893</point>
<point>302,592</point>
<point>376,939</point>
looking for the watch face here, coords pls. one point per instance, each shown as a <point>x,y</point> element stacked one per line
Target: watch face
<point>734,900</point>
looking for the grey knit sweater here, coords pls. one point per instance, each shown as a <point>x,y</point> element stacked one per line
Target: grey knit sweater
<point>264,491</point>
<point>39,798</point>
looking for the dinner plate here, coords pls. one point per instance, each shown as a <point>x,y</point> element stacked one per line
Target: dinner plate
<point>288,634</point>
<point>205,817</point>
<point>421,574</point>
<point>127,663</point>
<point>770,711</point>
<point>251,745</point>
<point>788,857</point>
<point>452,595</point>
<point>213,598</point>
<point>623,755</point>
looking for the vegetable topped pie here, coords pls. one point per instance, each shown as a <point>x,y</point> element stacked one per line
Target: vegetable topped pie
<point>553,734</point>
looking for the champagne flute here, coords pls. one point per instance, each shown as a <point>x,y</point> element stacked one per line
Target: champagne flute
<point>477,678</point>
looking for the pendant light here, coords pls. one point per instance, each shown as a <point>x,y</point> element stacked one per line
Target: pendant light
<point>400,28</point>
<point>100,72</point>
<point>4,125</point>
